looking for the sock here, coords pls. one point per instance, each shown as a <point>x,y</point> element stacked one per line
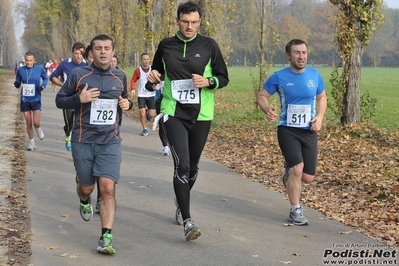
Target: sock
<point>84,201</point>
<point>105,230</point>
<point>32,141</point>
<point>294,207</point>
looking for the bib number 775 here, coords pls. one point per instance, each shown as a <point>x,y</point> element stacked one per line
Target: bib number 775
<point>184,91</point>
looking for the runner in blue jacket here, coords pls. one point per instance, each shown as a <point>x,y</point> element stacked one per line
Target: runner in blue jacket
<point>32,79</point>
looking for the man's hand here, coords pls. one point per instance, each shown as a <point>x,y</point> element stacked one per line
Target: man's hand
<point>123,103</point>
<point>41,88</point>
<point>132,93</point>
<point>87,96</point>
<point>17,84</point>
<point>271,115</point>
<point>154,76</point>
<point>200,81</point>
<point>316,123</point>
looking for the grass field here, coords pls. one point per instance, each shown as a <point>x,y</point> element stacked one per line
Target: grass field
<point>236,102</point>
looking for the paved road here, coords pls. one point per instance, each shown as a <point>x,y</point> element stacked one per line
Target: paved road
<point>242,222</point>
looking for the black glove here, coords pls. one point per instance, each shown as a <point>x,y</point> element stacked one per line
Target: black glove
<point>17,84</point>
<point>41,88</point>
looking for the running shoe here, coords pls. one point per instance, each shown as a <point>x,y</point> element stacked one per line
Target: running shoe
<point>178,217</point>
<point>286,173</point>
<point>86,211</point>
<point>68,145</point>
<point>296,217</point>
<point>165,151</point>
<point>97,210</point>
<point>191,230</point>
<point>31,146</point>
<point>105,244</point>
<point>145,132</point>
<point>39,133</point>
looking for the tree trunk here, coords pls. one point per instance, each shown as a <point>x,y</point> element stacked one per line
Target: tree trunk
<point>351,113</point>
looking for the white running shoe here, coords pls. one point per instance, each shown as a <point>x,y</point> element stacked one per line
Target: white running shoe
<point>165,151</point>
<point>31,146</point>
<point>40,133</point>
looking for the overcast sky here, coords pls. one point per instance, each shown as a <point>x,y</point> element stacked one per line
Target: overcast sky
<point>392,3</point>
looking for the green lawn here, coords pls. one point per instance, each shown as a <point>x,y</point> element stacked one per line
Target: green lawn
<point>235,104</point>
<point>381,83</point>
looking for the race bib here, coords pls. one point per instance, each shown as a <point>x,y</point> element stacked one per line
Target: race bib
<point>28,90</point>
<point>103,111</point>
<point>184,91</point>
<point>298,115</point>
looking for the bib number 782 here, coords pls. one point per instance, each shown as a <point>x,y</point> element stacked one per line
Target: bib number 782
<point>105,115</point>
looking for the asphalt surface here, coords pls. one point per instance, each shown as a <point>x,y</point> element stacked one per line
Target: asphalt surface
<point>242,222</point>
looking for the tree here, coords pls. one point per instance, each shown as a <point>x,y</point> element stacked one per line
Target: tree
<point>289,27</point>
<point>243,31</point>
<point>6,29</point>
<point>321,48</point>
<point>356,21</point>
<point>268,39</point>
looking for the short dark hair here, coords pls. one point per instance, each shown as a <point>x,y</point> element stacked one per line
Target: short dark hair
<point>86,53</point>
<point>289,45</point>
<point>29,54</point>
<point>77,46</point>
<point>102,37</point>
<point>143,54</point>
<point>187,8</point>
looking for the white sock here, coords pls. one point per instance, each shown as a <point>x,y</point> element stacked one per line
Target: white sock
<point>294,207</point>
<point>32,141</point>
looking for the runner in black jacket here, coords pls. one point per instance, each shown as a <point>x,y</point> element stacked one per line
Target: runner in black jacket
<point>194,67</point>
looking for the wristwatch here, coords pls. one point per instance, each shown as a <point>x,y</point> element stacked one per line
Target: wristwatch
<point>212,83</point>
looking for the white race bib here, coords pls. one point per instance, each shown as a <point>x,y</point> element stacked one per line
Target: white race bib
<point>103,111</point>
<point>184,91</point>
<point>298,115</point>
<point>28,90</point>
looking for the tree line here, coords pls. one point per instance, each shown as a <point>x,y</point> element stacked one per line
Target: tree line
<point>8,41</point>
<point>52,26</point>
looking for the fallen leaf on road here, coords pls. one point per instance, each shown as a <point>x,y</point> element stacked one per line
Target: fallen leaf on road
<point>51,247</point>
<point>66,255</point>
<point>345,232</point>
<point>285,224</point>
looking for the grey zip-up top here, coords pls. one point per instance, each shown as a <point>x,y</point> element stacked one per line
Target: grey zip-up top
<point>95,122</point>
